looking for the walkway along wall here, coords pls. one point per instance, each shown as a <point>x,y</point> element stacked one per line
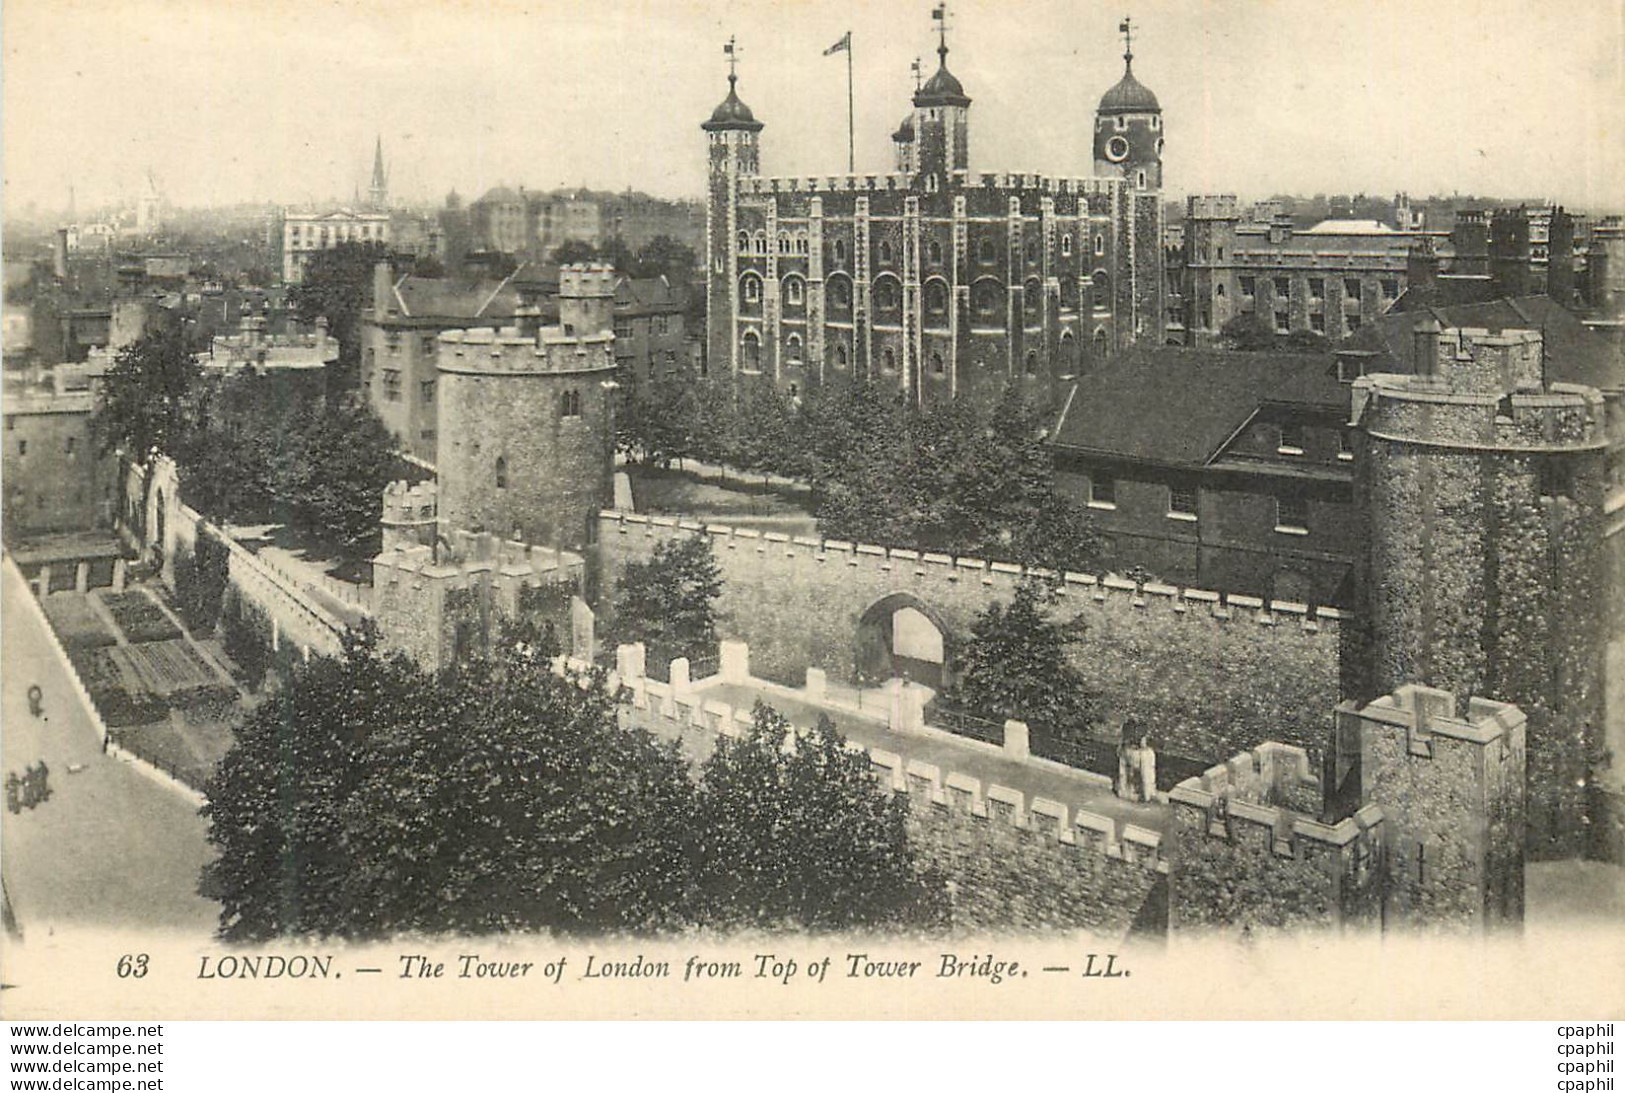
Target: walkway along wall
<point>1206,677</point>
<point>169,525</point>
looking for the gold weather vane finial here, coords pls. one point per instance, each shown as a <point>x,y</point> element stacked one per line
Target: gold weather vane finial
<point>918,73</point>
<point>1126,29</point>
<point>731,51</point>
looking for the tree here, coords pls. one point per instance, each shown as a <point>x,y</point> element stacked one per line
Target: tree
<point>573,251</point>
<point>335,489</point>
<point>512,800</point>
<point>1247,332</point>
<point>663,256</point>
<point>1302,341</point>
<point>368,798</point>
<point>149,395</point>
<point>335,286</point>
<point>668,602</point>
<point>1016,666</point>
<point>804,839</point>
<point>276,803</point>
<point>615,253</point>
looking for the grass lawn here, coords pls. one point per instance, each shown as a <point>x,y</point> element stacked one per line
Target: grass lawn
<point>676,493</point>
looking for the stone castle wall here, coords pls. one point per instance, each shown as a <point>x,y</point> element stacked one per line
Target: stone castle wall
<point>1012,862</point>
<point>1206,678</point>
<point>1246,854</point>
<point>526,434</point>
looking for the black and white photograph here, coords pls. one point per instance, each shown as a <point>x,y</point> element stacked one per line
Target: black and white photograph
<point>785,509</point>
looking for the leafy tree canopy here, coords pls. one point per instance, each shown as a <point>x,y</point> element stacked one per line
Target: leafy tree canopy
<point>149,395</point>
<point>800,838</point>
<point>669,602</point>
<point>1015,665</point>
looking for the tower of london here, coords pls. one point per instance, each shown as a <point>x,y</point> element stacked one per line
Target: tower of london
<point>935,279</point>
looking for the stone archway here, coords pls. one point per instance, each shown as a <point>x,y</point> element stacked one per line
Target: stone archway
<point>901,637</point>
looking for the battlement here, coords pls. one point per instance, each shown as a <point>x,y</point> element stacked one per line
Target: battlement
<point>1213,207</point>
<point>1149,595</point>
<point>508,350</point>
<point>463,553</point>
<point>1430,409</point>
<point>1013,182</point>
<point>1426,715</point>
<point>676,709</point>
<point>1270,796</point>
<point>584,281</point>
<point>409,504</point>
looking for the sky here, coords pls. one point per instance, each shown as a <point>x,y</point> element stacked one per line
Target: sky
<point>280,100</point>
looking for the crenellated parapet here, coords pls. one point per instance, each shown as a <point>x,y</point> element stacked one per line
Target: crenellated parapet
<point>1004,577</point>
<point>410,514</point>
<point>509,350</point>
<point>1014,182</point>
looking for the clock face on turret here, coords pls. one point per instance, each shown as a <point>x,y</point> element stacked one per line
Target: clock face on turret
<point>1117,149</point>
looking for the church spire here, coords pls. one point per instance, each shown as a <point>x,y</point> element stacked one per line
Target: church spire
<point>378,191</point>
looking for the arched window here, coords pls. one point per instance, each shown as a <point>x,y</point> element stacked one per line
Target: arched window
<point>889,359</point>
<point>988,251</point>
<point>502,473</point>
<point>1031,294</point>
<point>744,242</point>
<point>793,291</point>
<point>1100,244</point>
<point>1103,287</point>
<point>1032,363</point>
<point>752,346</point>
<point>840,251</point>
<point>569,406</point>
<point>1100,342</point>
<point>1069,351</point>
<point>761,242</point>
<point>936,363</point>
<point>1032,250</point>
<point>792,347</point>
<point>752,286</point>
<point>1069,292</point>
<point>936,253</point>
<point>1218,289</point>
<point>1066,244</point>
<point>987,297</point>
<point>886,295</point>
<point>801,242</point>
<point>840,355</point>
<point>784,242</point>
<point>936,297</point>
<point>840,292</point>
<point>1140,178</point>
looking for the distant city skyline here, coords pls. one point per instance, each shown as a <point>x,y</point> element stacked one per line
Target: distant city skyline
<point>280,103</point>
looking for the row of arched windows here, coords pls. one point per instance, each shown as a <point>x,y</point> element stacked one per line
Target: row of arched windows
<point>751,346</point>
<point>987,252</point>
<point>987,294</point>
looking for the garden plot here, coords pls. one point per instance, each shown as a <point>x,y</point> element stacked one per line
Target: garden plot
<point>76,622</point>
<point>139,617</point>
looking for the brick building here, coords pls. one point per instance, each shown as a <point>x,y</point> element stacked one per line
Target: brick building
<point>1229,471</point>
<point>934,279</point>
<point>1330,279</point>
<point>400,345</point>
<point>651,333</point>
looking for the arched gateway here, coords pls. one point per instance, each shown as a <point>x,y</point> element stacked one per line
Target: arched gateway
<point>901,637</point>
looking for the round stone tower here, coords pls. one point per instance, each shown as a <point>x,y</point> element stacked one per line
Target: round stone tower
<point>1482,490</point>
<point>526,448</point>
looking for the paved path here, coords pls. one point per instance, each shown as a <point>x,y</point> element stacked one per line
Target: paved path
<point>951,754</point>
<point>110,847</point>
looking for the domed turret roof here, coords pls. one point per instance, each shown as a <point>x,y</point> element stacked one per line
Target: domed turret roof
<point>905,131</point>
<point>1129,96</point>
<point>942,89</point>
<point>732,113</point>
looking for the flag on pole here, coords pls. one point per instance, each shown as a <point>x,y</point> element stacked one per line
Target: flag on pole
<point>1122,28</point>
<point>844,44</point>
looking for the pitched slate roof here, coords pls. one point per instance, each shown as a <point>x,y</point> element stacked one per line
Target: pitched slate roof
<point>1178,407</point>
<point>1574,353</point>
<point>454,298</point>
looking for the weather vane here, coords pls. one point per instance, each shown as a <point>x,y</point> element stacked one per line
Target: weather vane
<point>1127,31</point>
<point>732,53</point>
<point>940,15</point>
<point>918,73</point>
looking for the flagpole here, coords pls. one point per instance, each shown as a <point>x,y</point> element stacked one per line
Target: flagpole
<point>851,162</point>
